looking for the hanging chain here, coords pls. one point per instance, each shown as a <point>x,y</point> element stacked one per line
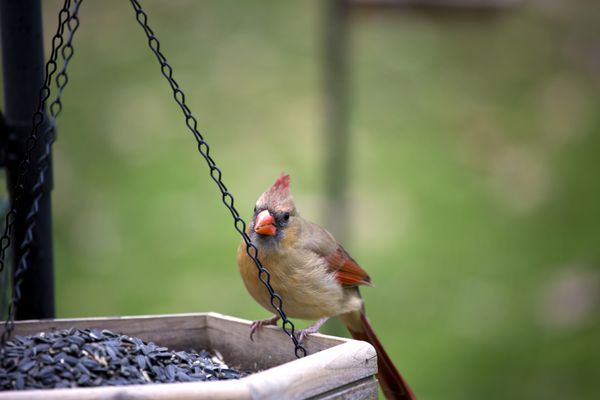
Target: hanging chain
<point>215,173</point>
<point>70,21</point>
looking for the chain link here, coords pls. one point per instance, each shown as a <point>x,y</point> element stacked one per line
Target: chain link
<point>70,21</point>
<point>215,173</point>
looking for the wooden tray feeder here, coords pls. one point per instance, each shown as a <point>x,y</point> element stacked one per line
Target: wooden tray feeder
<point>335,367</point>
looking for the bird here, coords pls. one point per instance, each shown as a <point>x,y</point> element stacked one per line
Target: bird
<point>314,275</point>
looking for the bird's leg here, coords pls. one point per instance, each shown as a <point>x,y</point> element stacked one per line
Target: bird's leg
<point>257,325</point>
<point>311,329</point>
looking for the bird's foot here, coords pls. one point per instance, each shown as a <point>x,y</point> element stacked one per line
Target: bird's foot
<point>314,328</point>
<point>257,325</point>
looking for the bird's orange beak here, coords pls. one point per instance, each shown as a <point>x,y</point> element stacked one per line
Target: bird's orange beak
<point>265,224</point>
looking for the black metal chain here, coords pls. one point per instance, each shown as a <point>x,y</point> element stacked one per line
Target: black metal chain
<point>66,19</point>
<point>31,143</point>
<point>215,173</point>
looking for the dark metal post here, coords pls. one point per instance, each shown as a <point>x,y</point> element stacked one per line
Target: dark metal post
<point>23,73</point>
<point>336,116</point>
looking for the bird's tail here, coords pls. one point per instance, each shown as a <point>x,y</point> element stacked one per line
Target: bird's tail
<point>392,383</point>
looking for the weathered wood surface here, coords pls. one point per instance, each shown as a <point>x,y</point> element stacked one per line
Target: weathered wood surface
<point>177,331</point>
<point>271,347</point>
<point>367,389</point>
<point>335,368</point>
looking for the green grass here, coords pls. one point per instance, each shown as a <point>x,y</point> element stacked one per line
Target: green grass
<point>474,192</point>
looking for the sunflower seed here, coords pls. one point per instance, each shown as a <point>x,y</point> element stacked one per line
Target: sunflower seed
<point>92,357</point>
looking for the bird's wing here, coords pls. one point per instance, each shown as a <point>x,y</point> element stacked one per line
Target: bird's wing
<point>347,271</point>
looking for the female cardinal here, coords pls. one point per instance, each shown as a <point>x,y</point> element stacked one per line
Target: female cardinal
<point>314,275</point>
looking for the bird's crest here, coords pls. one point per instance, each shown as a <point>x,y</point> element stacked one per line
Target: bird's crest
<point>281,187</point>
<point>278,195</point>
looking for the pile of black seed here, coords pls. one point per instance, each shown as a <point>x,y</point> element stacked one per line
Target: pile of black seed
<point>90,357</point>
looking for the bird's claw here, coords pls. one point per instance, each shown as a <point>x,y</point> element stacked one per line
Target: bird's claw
<point>303,333</point>
<point>257,325</point>
<point>314,328</point>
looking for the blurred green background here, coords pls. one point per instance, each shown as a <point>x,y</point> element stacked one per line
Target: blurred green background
<point>473,194</point>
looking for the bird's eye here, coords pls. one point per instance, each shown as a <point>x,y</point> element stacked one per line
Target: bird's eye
<point>254,208</point>
<point>286,216</point>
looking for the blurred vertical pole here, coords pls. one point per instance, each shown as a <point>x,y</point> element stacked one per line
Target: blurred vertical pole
<point>23,74</point>
<point>336,116</point>
<point>335,77</point>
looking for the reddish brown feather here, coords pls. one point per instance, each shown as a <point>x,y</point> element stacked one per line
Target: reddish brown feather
<point>281,187</point>
<point>347,271</point>
<point>392,383</point>
<point>282,182</point>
